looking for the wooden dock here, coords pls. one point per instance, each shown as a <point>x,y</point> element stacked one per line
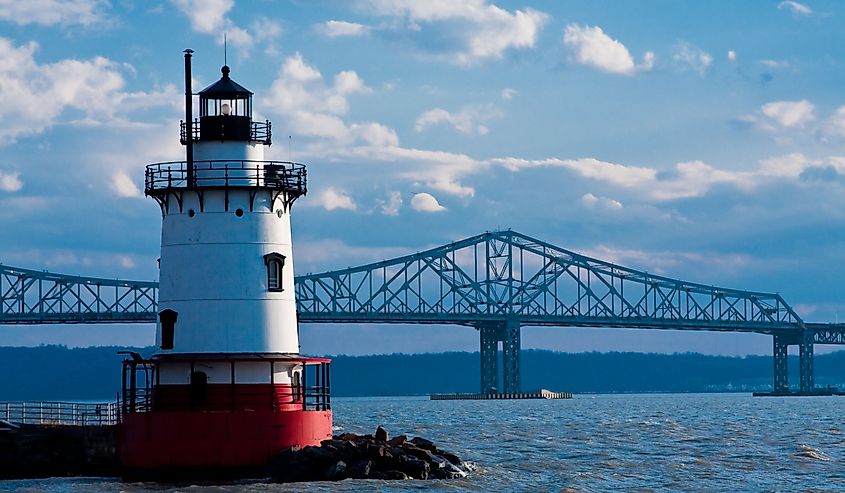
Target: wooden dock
<point>540,394</point>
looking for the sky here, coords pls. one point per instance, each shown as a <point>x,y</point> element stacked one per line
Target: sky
<point>698,140</point>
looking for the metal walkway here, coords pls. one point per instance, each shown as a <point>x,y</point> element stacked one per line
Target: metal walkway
<point>496,282</point>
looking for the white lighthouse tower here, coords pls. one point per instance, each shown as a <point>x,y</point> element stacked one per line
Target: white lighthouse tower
<point>227,386</point>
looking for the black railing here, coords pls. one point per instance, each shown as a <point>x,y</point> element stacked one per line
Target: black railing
<point>142,392</point>
<point>59,413</point>
<point>258,132</point>
<point>275,175</point>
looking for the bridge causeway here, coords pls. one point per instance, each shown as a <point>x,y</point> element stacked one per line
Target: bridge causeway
<point>495,282</point>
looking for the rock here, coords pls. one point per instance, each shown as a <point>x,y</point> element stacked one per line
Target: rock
<point>414,467</point>
<point>419,453</point>
<point>381,434</point>
<point>361,469</point>
<point>391,474</point>
<point>455,471</point>
<point>291,471</point>
<point>317,455</point>
<point>438,462</point>
<point>424,444</point>
<point>333,472</point>
<point>374,451</point>
<point>395,441</point>
<point>454,459</point>
<point>367,457</point>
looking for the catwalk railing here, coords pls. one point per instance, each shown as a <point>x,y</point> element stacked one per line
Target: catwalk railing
<point>59,413</point>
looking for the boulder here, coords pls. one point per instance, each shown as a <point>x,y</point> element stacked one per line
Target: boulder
<point>424,444</point>
<point>392,474</point>
<point>416,468</point>
<point>396,441</point>
<point>333,472</point>
<point>361,469</point>
<point>419,453</point>
<point>381,434</point>
<point>367,457</point>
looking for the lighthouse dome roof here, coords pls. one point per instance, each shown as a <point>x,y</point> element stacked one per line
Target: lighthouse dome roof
<point>225,88</point>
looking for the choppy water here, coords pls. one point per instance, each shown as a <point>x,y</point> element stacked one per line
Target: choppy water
<point>702,442</point>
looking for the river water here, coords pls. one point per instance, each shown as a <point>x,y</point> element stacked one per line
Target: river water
<point>655,442</point>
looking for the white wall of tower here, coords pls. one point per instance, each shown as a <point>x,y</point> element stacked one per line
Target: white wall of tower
<point>213,271</point>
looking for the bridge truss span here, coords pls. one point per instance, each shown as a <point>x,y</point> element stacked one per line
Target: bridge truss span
<point>37,297</point>
<point>495,282</point>
<point>501,275</point>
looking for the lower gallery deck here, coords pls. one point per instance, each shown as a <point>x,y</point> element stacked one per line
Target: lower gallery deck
<point>232,411</point>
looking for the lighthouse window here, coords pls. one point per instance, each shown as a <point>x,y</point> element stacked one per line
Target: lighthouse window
<point>167,318</point>
<point>297,386</point>
<point>275,262</point>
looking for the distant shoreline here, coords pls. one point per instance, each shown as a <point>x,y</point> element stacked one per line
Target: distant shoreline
<point>93,374</point>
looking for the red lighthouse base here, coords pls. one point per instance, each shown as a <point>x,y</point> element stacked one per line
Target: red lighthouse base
<point>193,441</point>
<point>218,430</point>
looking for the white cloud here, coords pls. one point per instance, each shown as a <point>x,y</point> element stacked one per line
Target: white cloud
<point>689,57</point>
<point>10,181</point>
<point>795,7</point>
<point>33,96</point>
<point>53,12</point>
<point>789,114</point>
<point>670,262</point>
<point>835,125</point>
<point>593,201</point>
<point>332,198</point>
<point>209,17</point>
<point>731,55</point>
<point>469,120</point>
<point>123,186</point>
<point>391,205</point>
<point>774,63</point>
<point>593,48</point>
<point>314,108</point>
<point>508,93</point>
<point>473,30</point>
<point>425,202</point>
<point>336,29</point>
<point>438,170</point>
<point>312,255</point>
<point>686,180</point>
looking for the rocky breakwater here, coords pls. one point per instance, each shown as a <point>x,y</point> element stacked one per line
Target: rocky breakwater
<point>374,456</point>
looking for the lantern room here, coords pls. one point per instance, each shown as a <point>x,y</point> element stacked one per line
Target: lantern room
<point>225,114</point>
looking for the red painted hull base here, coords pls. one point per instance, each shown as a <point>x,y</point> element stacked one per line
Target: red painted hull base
<point>170,440</point>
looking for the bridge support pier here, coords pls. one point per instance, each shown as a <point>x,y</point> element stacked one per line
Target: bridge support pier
<point>511,346</point>
<point>781,343</point>
<point>490,334</point>
<point>781,373</point>
<point>489,358</point>
<point>805,362</point>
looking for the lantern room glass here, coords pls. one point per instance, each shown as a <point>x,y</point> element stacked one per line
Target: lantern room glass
<point>216,107</point>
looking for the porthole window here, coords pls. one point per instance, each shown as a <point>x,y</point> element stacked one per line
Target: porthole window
<point>191,213</point>
<point>275,263</point>
<point>239,212</point>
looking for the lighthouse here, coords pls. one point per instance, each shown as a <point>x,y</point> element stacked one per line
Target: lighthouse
<point>226,388</point>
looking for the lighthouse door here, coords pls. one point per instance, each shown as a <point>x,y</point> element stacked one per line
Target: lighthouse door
<point>199,388</point>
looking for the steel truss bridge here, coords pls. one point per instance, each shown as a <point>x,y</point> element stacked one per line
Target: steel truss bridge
<point>495,282</point>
